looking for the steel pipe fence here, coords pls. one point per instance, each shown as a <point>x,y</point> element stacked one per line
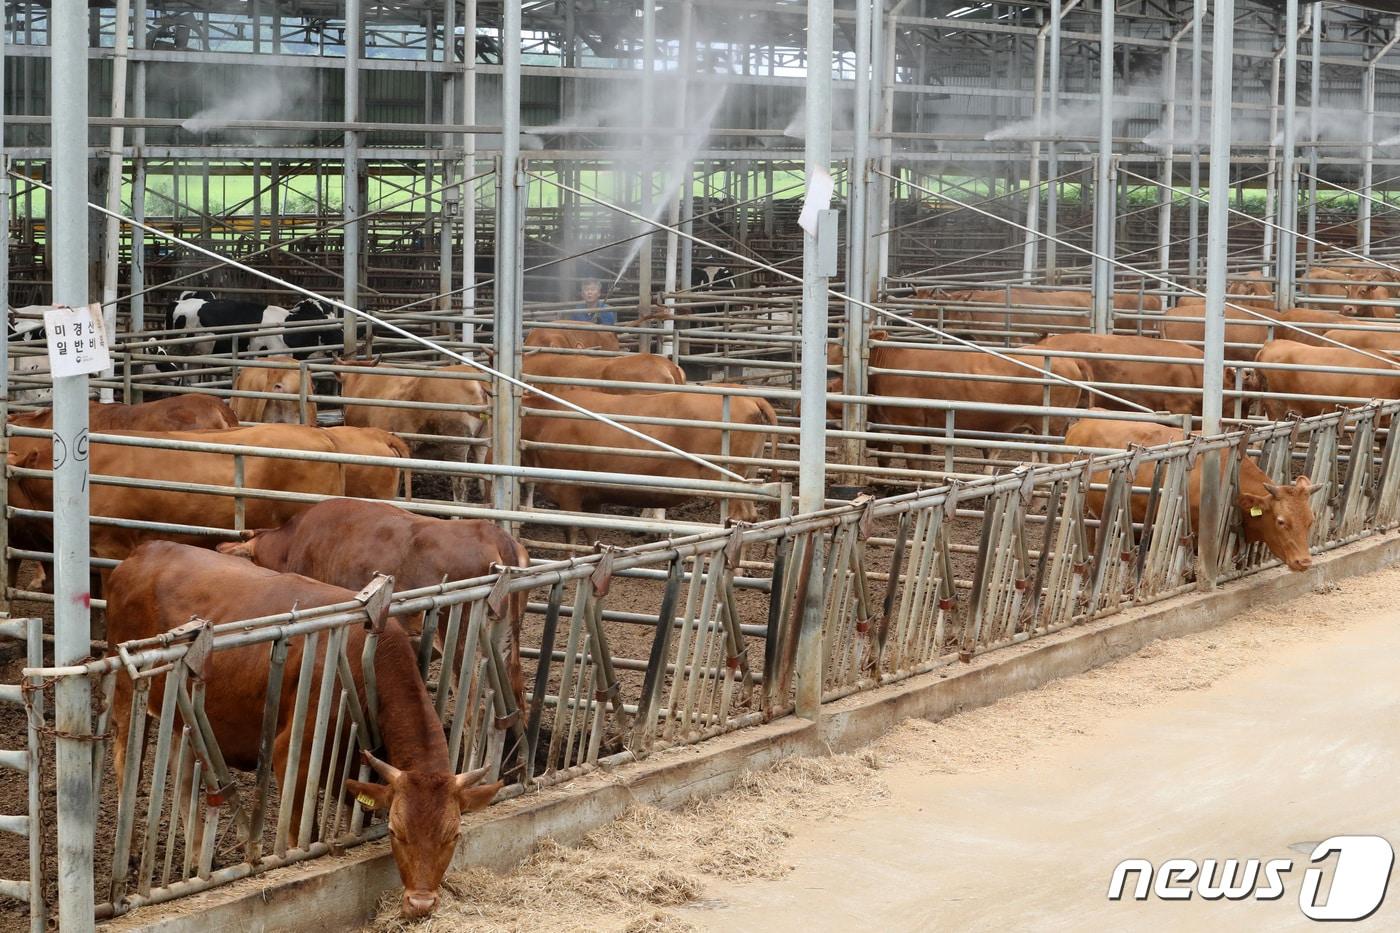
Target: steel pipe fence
<point>633,650</point>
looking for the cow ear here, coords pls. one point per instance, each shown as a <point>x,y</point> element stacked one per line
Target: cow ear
<point>243,549</point>
<point>1252,504</point>
<point>375,797</point>
<point>471,799</point>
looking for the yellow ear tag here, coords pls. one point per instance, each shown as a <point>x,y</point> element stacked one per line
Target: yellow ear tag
<point>366,801</point>
<point>1256,511</point>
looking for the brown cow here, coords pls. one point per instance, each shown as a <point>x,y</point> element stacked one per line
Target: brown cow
<point>1147,375</point>
<point>1023,305</point>
<point>1314,322</point>
<point>177,506</point>
<point>952,383</point>
<point>573,338</point>
<point>702,441</point>
<point>1245,332</point>
<point>1320,389</point>
<point>369,482</point>
<point>633,367</point>
<point>162,585</point>
<point>1279,516</point>
<point>442,386</point>
<point>1251,283</point>
<point>345,542</point>
<point>1377,341</point>
<point>173,413</point>
<point>285,380</point>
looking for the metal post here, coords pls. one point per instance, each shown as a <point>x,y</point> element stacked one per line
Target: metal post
<point>1193,252</point>
<point>685,55</point>
<point>1052,162</point>
<point>350,170</point>
<point>5,342</point>
<point>1368,103</point>
<point>853,373</point>
<point>111,252</point>
<point>1315,87</point>
<point>505,423</point>
<point>1167,193</point>
<point>812,441</point>
<point>468,170</point>
<point>72,638</point>
<point>1104,189</point>
<point>449,195</point>
<point>645,144</point>
<point>884,205</point>
<point>1287,179</point>
<point>1032,244</point>
<point>1217,252</point>
<point>1268,250</point>
<point>136,275</point>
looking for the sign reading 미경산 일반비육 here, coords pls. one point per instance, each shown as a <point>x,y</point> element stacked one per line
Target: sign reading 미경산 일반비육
<point>77,340</point>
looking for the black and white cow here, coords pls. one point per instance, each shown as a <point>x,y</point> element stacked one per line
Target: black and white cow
<point>711,278</point>
<point>209,317</point>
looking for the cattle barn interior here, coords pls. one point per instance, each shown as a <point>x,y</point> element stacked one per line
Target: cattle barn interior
<point>625,381</point>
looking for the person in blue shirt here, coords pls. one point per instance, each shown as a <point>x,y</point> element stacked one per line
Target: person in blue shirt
<point>594,310</point>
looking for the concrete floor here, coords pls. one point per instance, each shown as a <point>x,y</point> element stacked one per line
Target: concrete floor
<point>1301,745</point>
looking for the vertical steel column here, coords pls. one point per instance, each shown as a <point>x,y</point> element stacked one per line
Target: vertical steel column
<point>72,631</point>
<point>1315,90</point>
<point>1168,190</point>
<point>812,441</point>
<point>136,275</point>
<point>1052,161</point>
<point>853,372</point>
<point>1032,242</point>
<point>350,171</point>
<point>5,339</point>
<point>111,252</point>
<point>887,194</point>
<point>1271,182</point>
<point>1217,252</point>
<point>1368,150</point>
<point>1105,191</point>
<point>685,55</point>
<point>505,425</point>
<point>1287,173</point>
<point>468,170</point>
<point>872,181</point>
<point>1193,242</point>
<point>645,179</point>
<point>450,196</point>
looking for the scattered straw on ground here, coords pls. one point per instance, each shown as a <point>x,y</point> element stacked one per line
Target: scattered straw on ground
<point>622,878</point>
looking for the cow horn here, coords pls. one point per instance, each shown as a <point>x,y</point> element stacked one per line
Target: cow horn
<point>388,772</point>
<point>1273,490</point>
<point>471,778</point>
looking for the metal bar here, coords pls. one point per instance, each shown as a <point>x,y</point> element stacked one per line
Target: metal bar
<point>1287,264</point>
<point>1105,189</point>
<point>72,632</point>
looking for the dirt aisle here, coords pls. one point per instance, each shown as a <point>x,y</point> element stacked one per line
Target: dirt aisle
<point>1279,729</point>
<point>1300,745</point>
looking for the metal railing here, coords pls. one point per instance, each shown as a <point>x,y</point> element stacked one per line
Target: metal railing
<point>638,649</point>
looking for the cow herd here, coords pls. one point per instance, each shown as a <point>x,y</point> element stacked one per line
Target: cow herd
<point>321,529</point>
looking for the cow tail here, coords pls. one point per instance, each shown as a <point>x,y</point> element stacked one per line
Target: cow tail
<point>401,449</point>
<point>764,413</point>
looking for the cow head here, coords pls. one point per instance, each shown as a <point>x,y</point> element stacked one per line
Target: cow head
<point>246,549</point>
<point>425,820</point>
<point>1282,518</point>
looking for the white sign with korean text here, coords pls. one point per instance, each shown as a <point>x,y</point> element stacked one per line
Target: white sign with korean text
<point>77,340</point>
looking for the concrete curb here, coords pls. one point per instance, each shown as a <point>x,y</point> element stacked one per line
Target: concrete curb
<point>344,892</point>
